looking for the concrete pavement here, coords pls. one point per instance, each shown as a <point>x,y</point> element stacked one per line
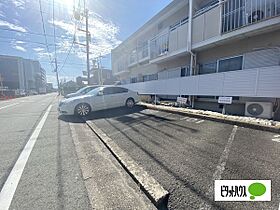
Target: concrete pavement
<point>185,154</point>
<point>52,177</point>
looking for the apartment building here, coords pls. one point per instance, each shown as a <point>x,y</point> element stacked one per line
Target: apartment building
<point>206,49</point>
<point>22,75</point>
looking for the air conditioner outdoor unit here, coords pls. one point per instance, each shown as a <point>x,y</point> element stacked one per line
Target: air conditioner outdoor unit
<point>259,109</point>
<point>258,10</point>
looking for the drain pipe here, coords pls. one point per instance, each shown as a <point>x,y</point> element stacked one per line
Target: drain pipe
<point>189,47</point>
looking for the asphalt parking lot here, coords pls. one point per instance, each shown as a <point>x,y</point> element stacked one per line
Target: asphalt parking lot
<point>187,154</point>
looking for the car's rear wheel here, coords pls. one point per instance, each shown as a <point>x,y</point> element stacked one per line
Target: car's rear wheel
<point>82,109</point>
<point>130,103</point>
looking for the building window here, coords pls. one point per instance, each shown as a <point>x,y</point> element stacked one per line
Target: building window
<point>150,77</point>
<point>230,64</point>
<point>208,68</point>
<point>133,80</point>
<point>185,71</point>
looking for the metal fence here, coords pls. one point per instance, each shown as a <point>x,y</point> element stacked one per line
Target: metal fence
<point>238,13</point>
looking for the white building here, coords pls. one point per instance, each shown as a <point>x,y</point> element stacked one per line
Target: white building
<point>22,75</point>
<point>203,49</point>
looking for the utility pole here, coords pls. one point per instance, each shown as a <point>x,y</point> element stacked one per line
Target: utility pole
<point>77,16</point>
<point>57,78</point>
<point>1,84</point>
<point>87,43</point>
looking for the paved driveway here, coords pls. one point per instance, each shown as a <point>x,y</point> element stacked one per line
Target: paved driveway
<point>186,154</point>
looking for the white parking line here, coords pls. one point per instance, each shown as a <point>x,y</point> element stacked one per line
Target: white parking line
<point>3,107</point>
<point>200,121</point>
<point>220,167</point>
<point>10,186</point>
<point>276,138</point>
<point>223,159</point>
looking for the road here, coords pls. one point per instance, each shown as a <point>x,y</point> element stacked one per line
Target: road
<point>49,161</point>
<point>52,177</point>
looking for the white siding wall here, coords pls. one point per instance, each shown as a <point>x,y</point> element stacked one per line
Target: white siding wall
<point>257,82</point>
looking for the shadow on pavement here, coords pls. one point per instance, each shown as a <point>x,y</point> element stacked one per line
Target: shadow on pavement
<point>71,118</point>
<point>118,113</point>
<point>172,173</point>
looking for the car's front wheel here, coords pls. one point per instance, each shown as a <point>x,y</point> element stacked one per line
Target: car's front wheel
<point>82,109</point>
<point>130,103</point>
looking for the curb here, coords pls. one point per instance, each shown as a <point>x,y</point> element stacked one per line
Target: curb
<point>151,187</point>
<point>275,129</point>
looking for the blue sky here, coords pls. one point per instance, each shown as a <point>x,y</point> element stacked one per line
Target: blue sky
<point>111,22</point>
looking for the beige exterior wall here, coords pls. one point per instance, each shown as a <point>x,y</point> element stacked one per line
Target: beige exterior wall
<point>240,47</point>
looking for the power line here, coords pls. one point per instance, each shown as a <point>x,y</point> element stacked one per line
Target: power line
<point>75,30</point>
<point>26,32</point>
<point>55,55</point>
<point>25,41</point>
<point>44,30</point>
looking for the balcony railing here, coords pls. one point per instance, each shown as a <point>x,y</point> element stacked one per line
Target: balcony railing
<point>133,57</point>
<point>238,13</point>
<point>143,52</point>
<point>159,45</point>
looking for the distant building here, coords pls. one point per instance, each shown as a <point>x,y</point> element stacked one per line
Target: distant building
<point>49,87</point>
<point>98,76</point>
<point>23,75</point>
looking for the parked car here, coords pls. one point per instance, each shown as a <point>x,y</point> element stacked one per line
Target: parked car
<point>98,99</point>
<point>81,91</point>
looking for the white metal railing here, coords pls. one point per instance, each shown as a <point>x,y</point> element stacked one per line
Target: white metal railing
<point>121,65</point>
<point>133,57</point>
<point>238,13</point>
<point>159,45</point>
<point>143,51</point>
<point>178,24</point>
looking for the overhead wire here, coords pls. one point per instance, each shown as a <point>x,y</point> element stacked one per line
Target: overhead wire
<point>73,41</point>
<point>44,31</point>
<point>54,40</point>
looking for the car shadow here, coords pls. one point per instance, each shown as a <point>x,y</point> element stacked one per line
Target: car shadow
<point>108,113</point>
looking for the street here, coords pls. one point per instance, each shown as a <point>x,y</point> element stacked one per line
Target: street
<point>69,168</point>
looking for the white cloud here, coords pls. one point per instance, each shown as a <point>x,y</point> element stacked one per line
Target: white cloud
<point>103,36</point>
<point>1,13</point>
<point>20,48</point>
<point>12,26</point>
<point>20,42</point>
<point>38,49</point>
<point>19,3</point>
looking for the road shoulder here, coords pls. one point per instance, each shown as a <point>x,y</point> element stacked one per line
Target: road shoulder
<point>108,185</point>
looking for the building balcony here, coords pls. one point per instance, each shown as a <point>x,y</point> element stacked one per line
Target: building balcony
<point>170,44</point>
<point>144,53</point>
<point>132,60</point>
<point>234,19</point>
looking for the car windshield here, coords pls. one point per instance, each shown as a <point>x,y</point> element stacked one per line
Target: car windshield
<point>82,90</point>
<point>95,91</point>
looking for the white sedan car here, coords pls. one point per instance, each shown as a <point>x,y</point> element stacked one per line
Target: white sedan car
<point>98,99</point>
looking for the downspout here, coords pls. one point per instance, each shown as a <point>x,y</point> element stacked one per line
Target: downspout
<point>189,47</point>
